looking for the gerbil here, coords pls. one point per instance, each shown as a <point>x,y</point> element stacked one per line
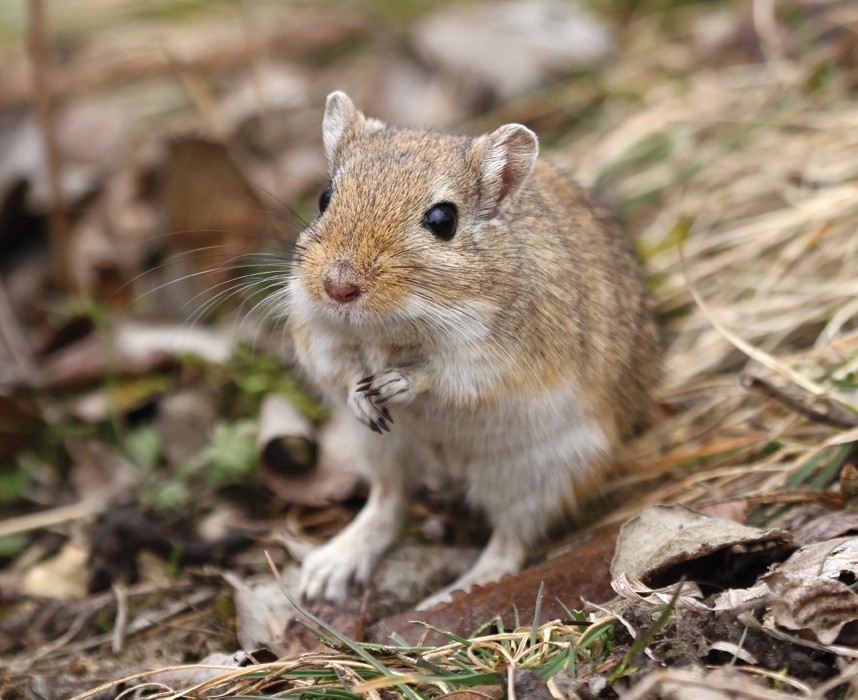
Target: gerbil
<point>481,316</point>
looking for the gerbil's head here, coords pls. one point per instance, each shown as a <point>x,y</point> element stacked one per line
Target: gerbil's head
<point>409,224</point>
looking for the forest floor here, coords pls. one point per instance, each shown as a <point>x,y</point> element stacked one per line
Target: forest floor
<point>157,459</point>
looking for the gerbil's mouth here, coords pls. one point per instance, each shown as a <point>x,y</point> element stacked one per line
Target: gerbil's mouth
<point>352,313</point>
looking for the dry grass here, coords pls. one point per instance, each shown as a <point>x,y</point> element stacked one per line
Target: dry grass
<point>756,182</point>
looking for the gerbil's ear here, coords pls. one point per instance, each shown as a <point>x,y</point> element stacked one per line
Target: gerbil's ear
<point>507,156</point>
<point>341,122</point>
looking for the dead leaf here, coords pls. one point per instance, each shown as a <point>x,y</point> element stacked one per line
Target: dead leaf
<point>724,683</point>
<point>580,573</point>
<point>828,526</point>
<point>133,349</point>
<point>666,542</point>
<point>289,466</point>
<point>297,639</point>
<point>262,610</point>
<point>633,589</point>
<point>809,591</point>
<point>182,677</point>
<point>824,606</point>
<point>214,219</point>
<point>63,575</point>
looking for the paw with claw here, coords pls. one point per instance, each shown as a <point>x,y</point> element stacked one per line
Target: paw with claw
<point>368,400</point>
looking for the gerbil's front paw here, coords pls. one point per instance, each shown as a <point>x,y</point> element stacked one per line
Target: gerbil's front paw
<point>368,399</point>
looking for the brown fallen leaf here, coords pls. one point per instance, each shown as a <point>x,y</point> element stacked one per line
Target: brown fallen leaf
<point>214,219</point>
<point>134,349</point>
<point>297,639</point>
<point>826,607</point>
<point>88,361</point>
<point>828,526</point>
<point>579,574</point>
<point>666,542</point>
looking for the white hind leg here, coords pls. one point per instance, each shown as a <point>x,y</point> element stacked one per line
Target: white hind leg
<point>502,555</point>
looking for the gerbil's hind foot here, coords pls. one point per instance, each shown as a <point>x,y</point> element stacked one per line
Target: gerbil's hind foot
<point>371,394</point>
<point>502,556</point>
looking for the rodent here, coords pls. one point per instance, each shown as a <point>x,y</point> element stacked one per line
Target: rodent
<point>482,317</point>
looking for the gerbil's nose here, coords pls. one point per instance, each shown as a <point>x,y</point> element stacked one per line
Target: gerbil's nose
<point>343,292</point>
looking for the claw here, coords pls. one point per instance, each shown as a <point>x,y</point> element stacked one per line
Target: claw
<point>370,392</point>
<point>382,424</point>
<point>364,383</point>
<point>374,427</point>
<point>386,414</point>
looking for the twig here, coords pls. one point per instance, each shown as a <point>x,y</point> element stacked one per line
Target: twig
<point>120,627</point>
<point>831,414</point>
<point>50,517</point>
<point>39,49</point>
<point>143,622</point>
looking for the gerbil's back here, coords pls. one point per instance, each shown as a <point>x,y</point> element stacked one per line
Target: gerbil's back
<point>594,309</point>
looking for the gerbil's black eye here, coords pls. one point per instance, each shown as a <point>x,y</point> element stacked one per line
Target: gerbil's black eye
<point>325,197</point>
<point>441,219</point>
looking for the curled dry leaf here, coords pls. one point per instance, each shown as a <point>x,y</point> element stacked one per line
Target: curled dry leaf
<point>261,611</point>
<point>666,542</point>
<point>823,606</point>
<point>808,591</point>
<point>215,220</point>
<point>631,588</point>
<point>288,456</point>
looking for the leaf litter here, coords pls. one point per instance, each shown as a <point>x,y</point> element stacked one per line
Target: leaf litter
<point>724,137</point>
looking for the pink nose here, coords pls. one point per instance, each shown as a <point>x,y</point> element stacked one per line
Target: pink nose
<point>343,292</point>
